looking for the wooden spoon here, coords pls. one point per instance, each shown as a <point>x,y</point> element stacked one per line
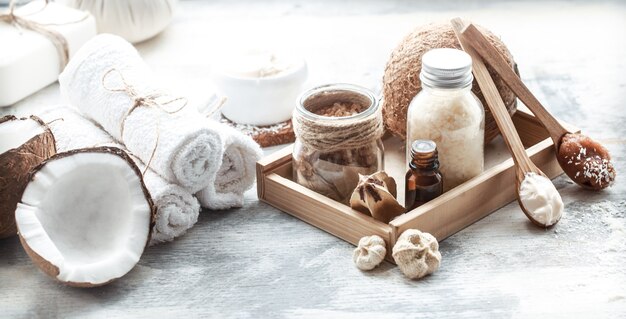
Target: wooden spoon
<point>523,164</point>
<point>584,160</point>
<point>473,37</point>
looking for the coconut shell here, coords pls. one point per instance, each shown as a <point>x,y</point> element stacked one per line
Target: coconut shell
<point>47,267</point>
<point>586,161</point>
<point>401,79</point>
<point>52,270</point>
<point>375,195</point>
<point>15,165</point>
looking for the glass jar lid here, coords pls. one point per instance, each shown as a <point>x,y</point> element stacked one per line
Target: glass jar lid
<point>446,68</point>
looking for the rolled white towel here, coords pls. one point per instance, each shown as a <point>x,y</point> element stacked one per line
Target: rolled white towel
<point>177,209</point>
<point>106,77</point>
<point>236,174</point>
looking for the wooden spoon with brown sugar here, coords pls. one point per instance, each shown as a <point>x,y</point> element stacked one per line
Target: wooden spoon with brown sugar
<point>584,160</point>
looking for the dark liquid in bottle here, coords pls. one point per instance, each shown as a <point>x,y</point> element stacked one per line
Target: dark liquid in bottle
<point>423,179</point>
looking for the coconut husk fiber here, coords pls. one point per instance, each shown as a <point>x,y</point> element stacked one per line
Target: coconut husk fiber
<point>15,167</point>
<point>401,79</point>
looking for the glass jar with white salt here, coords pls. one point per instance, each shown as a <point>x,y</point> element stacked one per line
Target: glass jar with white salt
<point>447,112</point>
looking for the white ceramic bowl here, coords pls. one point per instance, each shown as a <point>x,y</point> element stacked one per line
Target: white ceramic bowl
<point>261,100</point>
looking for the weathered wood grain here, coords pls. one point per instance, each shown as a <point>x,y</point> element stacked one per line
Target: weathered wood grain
<point>257,262</point>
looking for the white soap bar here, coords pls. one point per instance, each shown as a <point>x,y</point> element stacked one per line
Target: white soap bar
<point>29,61</point>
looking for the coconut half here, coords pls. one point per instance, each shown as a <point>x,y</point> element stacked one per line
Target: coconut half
<point>85,217</point>
<point>24,144</point>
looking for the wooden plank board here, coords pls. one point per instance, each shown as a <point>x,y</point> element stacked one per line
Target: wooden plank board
<point>256,261</point>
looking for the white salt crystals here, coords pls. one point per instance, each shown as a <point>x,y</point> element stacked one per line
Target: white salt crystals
<point>447,112</point>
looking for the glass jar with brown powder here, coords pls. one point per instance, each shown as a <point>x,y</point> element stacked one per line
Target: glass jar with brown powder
<point>338,131</point>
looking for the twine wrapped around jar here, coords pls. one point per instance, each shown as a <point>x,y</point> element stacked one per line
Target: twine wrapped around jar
<point>328,134</point>
<point>338,130</point>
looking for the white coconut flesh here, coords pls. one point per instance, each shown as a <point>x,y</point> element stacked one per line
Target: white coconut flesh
<point>87,215</point>
<point>17,132</point>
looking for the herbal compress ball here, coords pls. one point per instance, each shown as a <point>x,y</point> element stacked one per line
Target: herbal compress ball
<point>370,252</point>
<point>416,253</point>
<point>401,79</point>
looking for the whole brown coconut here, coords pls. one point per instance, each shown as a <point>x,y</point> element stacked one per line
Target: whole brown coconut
<point>15,166</point>
<point>401,80</point>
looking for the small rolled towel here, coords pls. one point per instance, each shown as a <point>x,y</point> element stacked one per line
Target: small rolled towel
<point>236,174</point>
<point>177,209</point>
<point>109,83</point>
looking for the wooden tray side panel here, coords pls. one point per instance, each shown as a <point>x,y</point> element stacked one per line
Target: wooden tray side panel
<point>268,164</point>
<point>476,199</point>
<point>530,131</point>
<point>322,212</point>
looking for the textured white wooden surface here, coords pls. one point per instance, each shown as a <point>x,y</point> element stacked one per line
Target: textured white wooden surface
<point>258,262</point>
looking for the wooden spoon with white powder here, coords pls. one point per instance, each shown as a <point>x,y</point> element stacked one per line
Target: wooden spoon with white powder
<point>538,197</point>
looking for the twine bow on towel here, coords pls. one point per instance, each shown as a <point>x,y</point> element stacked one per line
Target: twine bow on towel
<point>150,100</point>
<point>55,37</point>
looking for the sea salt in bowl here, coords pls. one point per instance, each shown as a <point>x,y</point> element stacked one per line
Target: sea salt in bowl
<point>261,87</point>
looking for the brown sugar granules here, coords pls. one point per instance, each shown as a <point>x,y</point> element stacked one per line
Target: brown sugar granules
<point>340,109</point>
<point>335,173</point>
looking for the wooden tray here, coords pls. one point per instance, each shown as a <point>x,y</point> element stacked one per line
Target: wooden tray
<point>442,217</point>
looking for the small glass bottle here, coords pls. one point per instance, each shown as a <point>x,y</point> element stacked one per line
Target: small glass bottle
<point>423,180</point>
<point>448,113</point>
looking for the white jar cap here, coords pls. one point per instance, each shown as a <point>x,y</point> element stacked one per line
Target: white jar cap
<point>446,68</point>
